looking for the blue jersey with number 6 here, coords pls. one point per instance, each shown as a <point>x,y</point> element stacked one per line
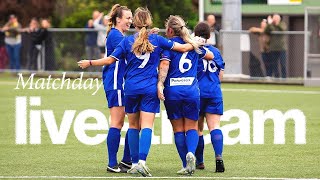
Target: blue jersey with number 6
<point>181,82</point>
<point>141,74</point>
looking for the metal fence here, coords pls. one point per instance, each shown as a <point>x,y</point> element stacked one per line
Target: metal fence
<point>246,59</point>
<point>240,50</point>
<point>312,48</point>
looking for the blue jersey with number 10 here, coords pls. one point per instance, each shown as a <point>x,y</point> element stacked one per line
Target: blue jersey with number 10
<point>141,74</point>
<point>208,75</point>
<point>181,82</point>
<point>113,74</point>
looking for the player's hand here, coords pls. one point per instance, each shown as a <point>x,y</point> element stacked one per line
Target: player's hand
<point>154,30</point>
<point>201,41</point>
<point>84,63</point>
<point>269,20</point>
<point>160,91</point>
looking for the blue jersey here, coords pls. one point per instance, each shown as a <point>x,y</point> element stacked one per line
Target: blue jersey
<point>112,75</point>
<point>141,74</point>
<point>181,82</point>
<point>208,75</point>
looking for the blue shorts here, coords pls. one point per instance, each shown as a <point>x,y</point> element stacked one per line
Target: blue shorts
<point>210,105</point>
<point>187,108</point>
<point>115,98</point>
<point>142,102</point>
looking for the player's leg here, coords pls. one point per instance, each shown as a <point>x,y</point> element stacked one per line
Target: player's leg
<point>117,119</point>
<point>200,147</point>
<point>191,110</point>
<point>180,142</point>
<point>132,109</point>
<point>150,105</point>
<point>113,138</point>
<point>213,121</point>
<point>174,113</point>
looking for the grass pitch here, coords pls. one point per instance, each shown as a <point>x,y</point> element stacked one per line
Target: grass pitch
<point>77,160</point>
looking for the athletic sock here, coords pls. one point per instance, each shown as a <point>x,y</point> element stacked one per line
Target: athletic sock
<point>126,152</point>
<point>180,141</point>
<point>133,140</point>
<point>199,151</point>
<point>217,141</point>
<point>192,139</point>
<point>113,140</point>
<point>145,143</point>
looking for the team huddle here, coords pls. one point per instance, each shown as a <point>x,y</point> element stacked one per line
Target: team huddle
<point>144,68</point>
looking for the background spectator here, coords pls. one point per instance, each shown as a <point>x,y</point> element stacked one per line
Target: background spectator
<point>91,42</point>
<point>277,43</point>
<point>48,43</point>
<point>3,52</point>
<point>102,33</point>
<point>35,45</point>
<point>214,31</point>
<point>13,41</point>
<point>264,40</point>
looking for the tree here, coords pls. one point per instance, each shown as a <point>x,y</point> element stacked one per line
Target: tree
<point>75,13</point>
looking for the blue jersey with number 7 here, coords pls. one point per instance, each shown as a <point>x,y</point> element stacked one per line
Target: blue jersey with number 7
<point>141,74</point>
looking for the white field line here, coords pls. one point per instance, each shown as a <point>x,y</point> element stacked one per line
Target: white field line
<point>270,91</point>
<point>223,89</point>
<point>130,177</point>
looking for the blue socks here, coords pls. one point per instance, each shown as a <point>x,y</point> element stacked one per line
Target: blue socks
<point>139,147</point>
<point>113,140</point>
<point>126,152</point>
<point>217,141</point>
<point>199,151</point>
<point>145,143</point>
<point>133,139</point>
<point>180,141</point>
<point>192,139</point>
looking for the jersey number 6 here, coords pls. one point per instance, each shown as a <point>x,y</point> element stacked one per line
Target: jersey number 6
<point>184,60</point>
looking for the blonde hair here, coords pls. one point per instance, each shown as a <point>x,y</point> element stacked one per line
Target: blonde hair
<point>142,19</point>
<point>178,25</point>
<point>116,11</point>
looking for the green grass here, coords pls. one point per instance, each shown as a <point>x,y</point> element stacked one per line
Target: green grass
<point>76,159</point>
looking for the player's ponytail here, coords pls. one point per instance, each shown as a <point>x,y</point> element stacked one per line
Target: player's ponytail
<point>178,25</point>
<point>142,20</point>
<point>116,11</point>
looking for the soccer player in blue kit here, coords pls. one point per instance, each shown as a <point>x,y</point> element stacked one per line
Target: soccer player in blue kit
<point>120,20</point>
<point>178,77</point>
<point>142,53</point>
<point>209,76</point>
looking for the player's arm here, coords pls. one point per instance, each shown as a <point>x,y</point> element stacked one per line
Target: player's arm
<point>182,47</point>
<point>162,75</point>
<point>221,75</point>
<point>167,44</point>
<point>99,62</point>
<point>207,54</point>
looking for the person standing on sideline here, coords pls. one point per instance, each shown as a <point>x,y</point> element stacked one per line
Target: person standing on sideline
<point>178,87</point>
<point>214,31</point>
<point>13,41</point>
<point>264,40</point>
<point>142,54</point>
<point>277,43</point>
<point>91,42</point>
<point>119,22</point>
<point>101,24</point>
<point>209,76</point>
